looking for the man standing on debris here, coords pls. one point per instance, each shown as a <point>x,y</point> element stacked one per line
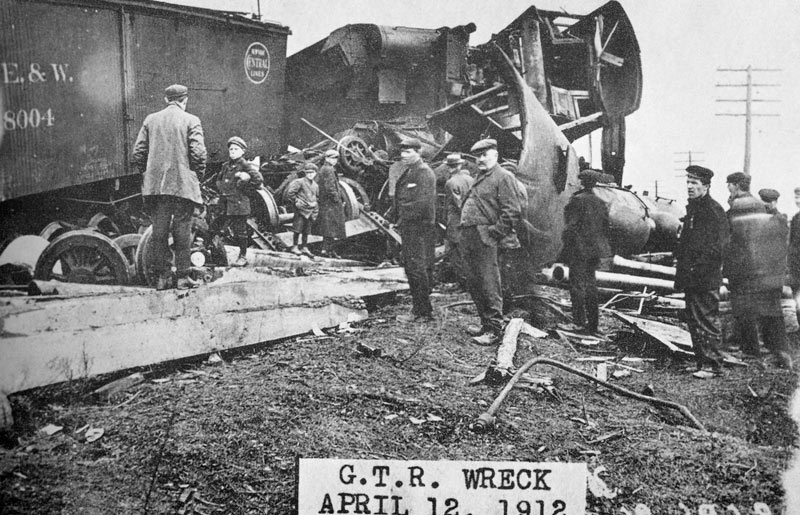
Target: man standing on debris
<point>488,216</point>
<point>237,178</point>
<point>701,247</point>
<point>456,189</point>
<point>585,243</point>
<point>415,205</point>
<point>330,224</point>
<point>170,152</point>
<point>302,194</point>
<point>755,265</point>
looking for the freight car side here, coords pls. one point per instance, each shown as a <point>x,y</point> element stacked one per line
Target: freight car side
<point>79,77</point>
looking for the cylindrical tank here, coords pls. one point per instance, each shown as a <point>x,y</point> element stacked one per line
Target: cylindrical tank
<point>630,223</point>
<point>666,214</point>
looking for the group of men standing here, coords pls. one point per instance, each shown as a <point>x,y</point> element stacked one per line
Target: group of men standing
<point>749,246</point>
<point>482,214</point>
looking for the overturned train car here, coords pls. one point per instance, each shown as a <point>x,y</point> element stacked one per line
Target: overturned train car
<point>78,79</point>
<point>544,81</point>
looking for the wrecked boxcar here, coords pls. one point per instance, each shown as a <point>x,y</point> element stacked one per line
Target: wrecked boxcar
<point>78,78</point>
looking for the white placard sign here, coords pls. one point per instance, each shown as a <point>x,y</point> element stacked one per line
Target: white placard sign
<point>394,487</point>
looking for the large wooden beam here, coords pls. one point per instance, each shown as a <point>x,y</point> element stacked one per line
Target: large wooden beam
<point>45,342</point>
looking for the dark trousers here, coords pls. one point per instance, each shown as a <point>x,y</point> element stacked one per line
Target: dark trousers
<point>772,329</point>
<point>483,278</point>
<point>239,228</point>
<point>171,215</point>
<point>702,313</point>
<point>419,246</point>
<point>583,293</point>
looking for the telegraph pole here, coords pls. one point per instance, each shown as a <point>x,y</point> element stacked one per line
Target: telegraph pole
<point>748,100</point>
<point>692,159</point>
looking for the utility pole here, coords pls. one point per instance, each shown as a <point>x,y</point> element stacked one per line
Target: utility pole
<point>749,100</point>
<point>692,159</point>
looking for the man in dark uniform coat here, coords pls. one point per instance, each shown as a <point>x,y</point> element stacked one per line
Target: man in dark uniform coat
<point>330,223</point>
<point>170,151</point>
<point>488,216</point>
<point>585,242</point>
<point>237,179</point>
<point>755,267</point>
<point>701,247</point>
<point>456,187</point>
<point>415,205</point>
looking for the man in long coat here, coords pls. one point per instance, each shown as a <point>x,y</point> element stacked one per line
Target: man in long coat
<point>330,223</point>
<point>702,243</point>
<point>170,151</point>
<point>755,267</point>
<point>585,243</point>
<point>415,205</point>
<point>488,216</point>
<point>237,179</point>
<point>455,188</point>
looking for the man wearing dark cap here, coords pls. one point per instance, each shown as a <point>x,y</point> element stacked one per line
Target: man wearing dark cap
<point>303,193</point>
<point>770,199</point>
<point>755,266</point>
<point>330,223</point>
<point>701,247</point>
<point>488,216</point>
<point>237,179</point>
<point>739,187</point>
<point>170,151</point>
<point>585,243</point>
<point>455,189</point>
<point>415,206</point>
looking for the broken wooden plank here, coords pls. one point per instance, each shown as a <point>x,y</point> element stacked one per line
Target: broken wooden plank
<point>250,290</point>
<point>674,338</point>
<point>37,287</point>
<point>508,346</point>
<point>115,388</point>
<point>50,357</point>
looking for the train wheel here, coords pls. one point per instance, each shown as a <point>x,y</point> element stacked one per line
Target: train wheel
<point>356,195</point>
<point>83,256</point>
<point>143,257</point>
<point>354,153</point>
<point>103,224</point>
<point>129,243</point>
<point>54,229</point>
<point>265,209</point>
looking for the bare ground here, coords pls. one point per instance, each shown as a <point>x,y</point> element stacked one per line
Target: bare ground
<point>198,437</point>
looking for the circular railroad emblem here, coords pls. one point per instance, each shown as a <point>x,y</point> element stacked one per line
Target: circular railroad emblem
<point>256,63</point>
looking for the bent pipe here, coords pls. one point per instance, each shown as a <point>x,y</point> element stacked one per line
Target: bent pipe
<point>487,418</point>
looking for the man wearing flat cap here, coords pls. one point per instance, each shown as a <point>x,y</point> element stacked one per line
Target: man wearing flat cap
<point>303,194</point>
<point>237,179</point>
<point>488,216</point>
<point>770,199</point>
<point>330,223</point>
<point>415,206</point>
<point>701,247</point>
<point>170,152</point>
<point>585,242</point>
<point>455,189</point>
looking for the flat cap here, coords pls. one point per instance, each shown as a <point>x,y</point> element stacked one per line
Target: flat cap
<point>454,159</point>
<point>236,140</point>
<point>310,167</point>
<point>176,91</point>
<point>590,176</point>
<point>739,178</point>
<point>482,145</point>
<point>411,143</point>
<point>700,173</point>
<point>768,194</point>
<point>331,152</point>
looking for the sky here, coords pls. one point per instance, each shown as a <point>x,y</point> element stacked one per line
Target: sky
<point>682,43</point>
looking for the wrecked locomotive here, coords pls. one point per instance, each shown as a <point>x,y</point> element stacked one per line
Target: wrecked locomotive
<point>78,78</point>
<point>544,81</point>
